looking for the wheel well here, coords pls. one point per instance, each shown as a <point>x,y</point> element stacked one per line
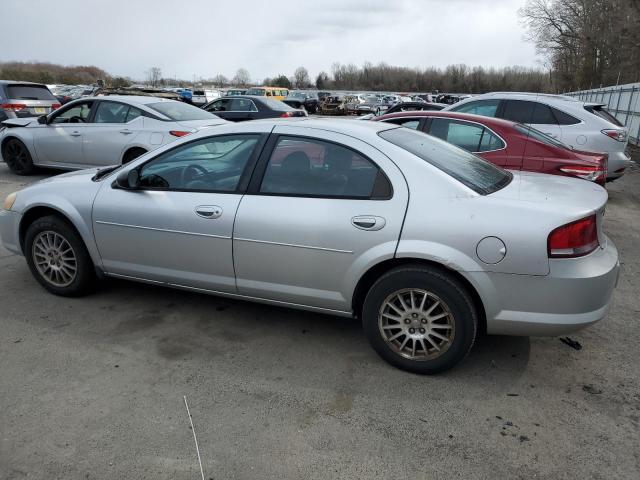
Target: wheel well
<point>35,213</point>
<point>125,157</point>
<point>375,272</point>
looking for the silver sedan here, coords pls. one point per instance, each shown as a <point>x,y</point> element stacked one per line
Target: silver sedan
<point>424,242</point>
<point>98,131</point>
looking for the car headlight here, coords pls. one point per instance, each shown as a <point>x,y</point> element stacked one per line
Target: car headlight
<point>10,200</point>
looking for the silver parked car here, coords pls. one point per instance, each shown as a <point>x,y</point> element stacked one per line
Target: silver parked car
<point>98,131</point>
<point>25,99</point>
<point>426,243</point>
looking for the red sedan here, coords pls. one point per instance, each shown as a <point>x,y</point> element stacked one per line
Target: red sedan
<point>508,144</point>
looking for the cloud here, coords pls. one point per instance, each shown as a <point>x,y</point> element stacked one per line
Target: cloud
<point>204,37</point>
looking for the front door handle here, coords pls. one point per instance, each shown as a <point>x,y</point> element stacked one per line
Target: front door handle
<point>75,134</point>
<point>208,211</point>
<point>126,131</point>
<point>368,222</point>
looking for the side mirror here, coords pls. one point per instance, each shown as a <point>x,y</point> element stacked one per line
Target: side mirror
<point>128,180</point>
<point>42,120</point>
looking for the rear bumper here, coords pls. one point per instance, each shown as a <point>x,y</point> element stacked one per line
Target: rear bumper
<point>10,231</point>
<point>617,164</point>
<point>575,294</point>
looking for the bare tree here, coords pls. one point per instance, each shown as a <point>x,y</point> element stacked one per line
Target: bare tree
<point>220,80</point>
<point>301,78</point>
<point>241,78</point>
<point>154,75</point>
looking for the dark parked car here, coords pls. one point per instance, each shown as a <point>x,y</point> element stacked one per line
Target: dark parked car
<point>238,108</point>
<point>25,99</point>
<point>508,144</point>
<point>307,100</point>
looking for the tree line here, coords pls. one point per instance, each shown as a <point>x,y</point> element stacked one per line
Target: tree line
<point>48,73</point>
<point>586,43</point>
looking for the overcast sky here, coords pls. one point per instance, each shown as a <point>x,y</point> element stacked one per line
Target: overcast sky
<point>267,37</point>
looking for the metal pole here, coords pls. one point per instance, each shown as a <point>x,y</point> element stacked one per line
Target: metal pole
<point>626,119</point>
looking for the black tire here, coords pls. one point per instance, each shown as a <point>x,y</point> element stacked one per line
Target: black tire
<point>84,279</point>
<point>453,298</point>
<point>133,154</point>
<point>17,156</point>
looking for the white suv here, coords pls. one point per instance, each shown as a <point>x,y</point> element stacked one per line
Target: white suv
<point>581,125</point>
<point>202,97</point>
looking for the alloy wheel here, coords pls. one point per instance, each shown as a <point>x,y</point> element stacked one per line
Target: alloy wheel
<point>17,156</point>
<point>416,324</point>
<point>54,258</point>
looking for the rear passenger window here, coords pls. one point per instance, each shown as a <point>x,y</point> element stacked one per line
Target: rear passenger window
<point>409,123</point>
<point>564,118</point>
<point>470,136</point>
<point>486,108</point>
<point>316,168</point>
<point>111,112</point>
<point>523,111</point>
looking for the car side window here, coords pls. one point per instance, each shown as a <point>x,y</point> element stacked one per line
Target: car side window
<point>242,105</point>
<point>111,112</point>
<point>315,168</point>
<point>564,118</point>
<point>470,136</point>
<point>405,122</point>
<point>523,111</point>
<point>212,164</point>
<point>78,113</point>
<point>219,106</point>
<point>486,108</point>
<point>132,114</point>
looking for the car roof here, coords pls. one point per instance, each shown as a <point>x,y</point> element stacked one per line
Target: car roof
<point>20,82</point>
<point>489,121</point>
<point>525,96</point>
<point>132,99</point>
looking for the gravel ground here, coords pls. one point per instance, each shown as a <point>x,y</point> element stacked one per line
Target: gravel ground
<point>93,388</point>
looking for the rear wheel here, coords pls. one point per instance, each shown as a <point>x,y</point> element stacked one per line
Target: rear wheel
<point>17,156</point>
<point>57,257</point>
<point>420,319</point>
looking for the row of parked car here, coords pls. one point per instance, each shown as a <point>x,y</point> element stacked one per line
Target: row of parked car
<point>397,221</point>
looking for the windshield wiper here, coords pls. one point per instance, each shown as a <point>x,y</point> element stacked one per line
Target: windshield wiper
<point>103,171</point>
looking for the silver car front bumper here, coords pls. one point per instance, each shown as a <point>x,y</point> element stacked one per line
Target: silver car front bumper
<point>10,231</point>
<point>576,293</point>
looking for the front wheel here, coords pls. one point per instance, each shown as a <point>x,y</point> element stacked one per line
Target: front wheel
<point>57,257</point>
<point>17,156</point>
<point>420,319</point>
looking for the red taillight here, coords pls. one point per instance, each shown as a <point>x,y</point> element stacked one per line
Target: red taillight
<point>178,133</point>
<point>13,107</point>
<point>619,135</point>
<point>596,174</point>
<point>286,114</point>
<point>574,239</point>
<point>54,106</point>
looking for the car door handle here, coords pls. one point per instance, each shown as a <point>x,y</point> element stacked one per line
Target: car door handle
<point>208,211</point>
<point>75,134</point>
<point>126,131</point>
<point>368,222</point>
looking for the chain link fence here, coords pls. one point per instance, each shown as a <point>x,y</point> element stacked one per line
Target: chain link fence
<point>623,101</point>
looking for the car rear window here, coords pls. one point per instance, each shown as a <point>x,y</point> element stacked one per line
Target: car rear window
<point>602,112</point>
<point>198,92</point>
<point>479,175</point>
<point>277,105</point>
<point>29,92</point>
<point>256,91</point>
<point>179,111</point>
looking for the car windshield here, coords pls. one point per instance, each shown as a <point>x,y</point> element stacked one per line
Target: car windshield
<point>256,91</point>
<point>479,175</point>
<point>179,111</point>
<point>541,137</point>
